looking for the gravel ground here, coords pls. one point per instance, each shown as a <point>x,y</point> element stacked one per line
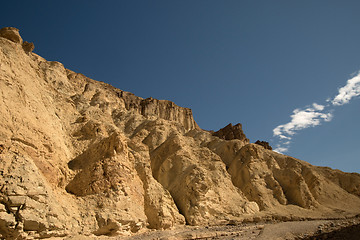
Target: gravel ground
<point>292,230</point>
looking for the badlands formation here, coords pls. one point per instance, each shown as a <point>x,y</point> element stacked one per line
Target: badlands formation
<point>78,156</point>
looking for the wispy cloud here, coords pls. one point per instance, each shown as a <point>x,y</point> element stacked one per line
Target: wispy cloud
<point>349,91</point>
<point>300,119</point>
<point>280,149</point>
<point>315,114</point>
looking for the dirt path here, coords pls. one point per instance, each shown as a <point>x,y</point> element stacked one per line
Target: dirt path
<point>296,230</point>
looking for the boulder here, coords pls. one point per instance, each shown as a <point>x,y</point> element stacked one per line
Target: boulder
<point>28,47</point>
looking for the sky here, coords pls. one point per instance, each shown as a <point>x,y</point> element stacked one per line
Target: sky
<point>287,70</point>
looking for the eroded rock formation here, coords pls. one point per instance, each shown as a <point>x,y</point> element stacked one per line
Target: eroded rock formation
<point>80,156</point>
<point>265,144</point>
<point>231,132</point>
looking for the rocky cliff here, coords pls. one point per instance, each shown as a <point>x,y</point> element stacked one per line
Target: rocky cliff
<point>80,156</point>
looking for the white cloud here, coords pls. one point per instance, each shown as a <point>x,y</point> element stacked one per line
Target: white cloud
<point>301,119</point>
<point>281,150</point>
<point>314,115</point>
<point>349,91</point>
<point>318,107</point>
<point>283,136</point>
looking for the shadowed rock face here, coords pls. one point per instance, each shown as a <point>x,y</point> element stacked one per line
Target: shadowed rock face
<point>11,34</point>
<point>265,144</point>
<point>28,47</point>
<point>80,156</point>
<point>231,132</point>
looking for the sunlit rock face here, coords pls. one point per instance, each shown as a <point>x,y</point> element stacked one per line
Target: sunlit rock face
<point>80,156</point>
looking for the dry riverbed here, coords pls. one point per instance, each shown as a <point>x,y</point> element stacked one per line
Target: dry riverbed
<point>297,230</point>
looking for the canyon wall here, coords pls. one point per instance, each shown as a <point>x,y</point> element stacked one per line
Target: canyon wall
<point>80,156</point>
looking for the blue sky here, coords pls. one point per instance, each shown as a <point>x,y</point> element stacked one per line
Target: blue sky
<point>253,62</point>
